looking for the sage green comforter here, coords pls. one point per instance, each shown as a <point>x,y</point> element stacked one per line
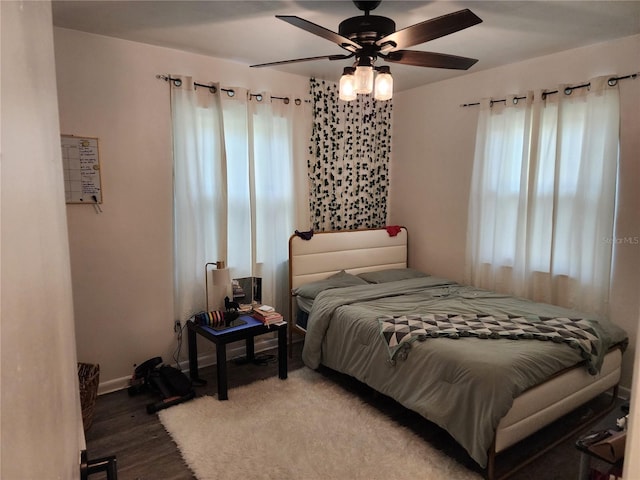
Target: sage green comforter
<point>464,385</point>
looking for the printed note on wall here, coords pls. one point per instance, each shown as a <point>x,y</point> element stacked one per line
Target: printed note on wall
<point>81,166</point>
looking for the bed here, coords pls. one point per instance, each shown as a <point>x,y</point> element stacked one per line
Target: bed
<point>423,341</point>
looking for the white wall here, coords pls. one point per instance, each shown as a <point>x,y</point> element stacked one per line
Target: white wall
<point>433,144</point>
<point>41,422</point>
<point>122,258</point>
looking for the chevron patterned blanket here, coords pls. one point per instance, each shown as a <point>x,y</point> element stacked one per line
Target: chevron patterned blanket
<point>399,332</point>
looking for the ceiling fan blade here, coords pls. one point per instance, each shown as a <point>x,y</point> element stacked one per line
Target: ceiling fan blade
<point>429,59</point>
<point>307,59</point>
<point>429,30</point>
<point>327,34</point>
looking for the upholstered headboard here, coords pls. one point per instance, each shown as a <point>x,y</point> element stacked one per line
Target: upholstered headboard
<point>355,251</point>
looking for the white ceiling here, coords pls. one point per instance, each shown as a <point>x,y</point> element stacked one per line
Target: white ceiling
<point>248,32</point>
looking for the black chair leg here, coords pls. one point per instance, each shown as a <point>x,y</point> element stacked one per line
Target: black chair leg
<point>104,464</point>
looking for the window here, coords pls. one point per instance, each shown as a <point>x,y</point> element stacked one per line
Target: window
<point>543,197</point>
<point>235,196</point>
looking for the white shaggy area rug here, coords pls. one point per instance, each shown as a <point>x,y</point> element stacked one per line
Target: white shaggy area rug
<point>302,428</point>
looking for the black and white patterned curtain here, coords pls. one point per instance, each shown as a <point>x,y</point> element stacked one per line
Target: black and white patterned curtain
<point>349,160</point>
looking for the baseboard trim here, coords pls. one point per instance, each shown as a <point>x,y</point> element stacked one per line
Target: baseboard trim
<point>624,393</point>
<point>261,344</point>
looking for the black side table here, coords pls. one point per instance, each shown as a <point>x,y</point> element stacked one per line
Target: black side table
<point>221,338</point>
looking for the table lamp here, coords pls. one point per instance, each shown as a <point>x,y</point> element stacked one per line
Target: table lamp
<point>221,285</point>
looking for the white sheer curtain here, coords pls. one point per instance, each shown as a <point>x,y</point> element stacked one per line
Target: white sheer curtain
<point>281,188</point>
<point>542,203</point>
<point>497,230</point>
<point>239,196</point>
<point>240,188</point>
<point>200,191</point>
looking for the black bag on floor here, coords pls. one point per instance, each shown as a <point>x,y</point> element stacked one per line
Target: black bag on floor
<point>176,381</point>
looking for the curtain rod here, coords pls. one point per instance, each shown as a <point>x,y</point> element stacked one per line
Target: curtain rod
<point>567,91</point>
<point>230,92</point>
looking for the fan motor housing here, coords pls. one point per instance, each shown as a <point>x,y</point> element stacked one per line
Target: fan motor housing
<point>367,5</point>
<point>366,29</point>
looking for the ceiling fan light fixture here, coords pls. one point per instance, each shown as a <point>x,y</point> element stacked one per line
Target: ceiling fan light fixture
<point>383,84</point>
<point>368,37</point>
<point>348,85</point>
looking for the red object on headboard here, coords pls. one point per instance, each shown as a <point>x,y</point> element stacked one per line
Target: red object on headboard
<point>393,230</point>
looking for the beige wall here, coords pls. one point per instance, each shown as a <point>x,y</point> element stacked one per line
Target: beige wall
<point>122,258</point>
<point>41,423</point>
<point>433,145</point>
<point>632,459</point>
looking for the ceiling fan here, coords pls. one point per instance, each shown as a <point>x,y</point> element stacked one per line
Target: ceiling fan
<point>367,37</point>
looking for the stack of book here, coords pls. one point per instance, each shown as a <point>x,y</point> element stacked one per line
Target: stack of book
<point>267,315</point>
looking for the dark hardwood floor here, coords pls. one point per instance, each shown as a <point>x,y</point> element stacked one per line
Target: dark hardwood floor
<point>145,451</point>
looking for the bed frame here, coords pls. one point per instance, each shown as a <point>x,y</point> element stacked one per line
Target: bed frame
<point>358,251</point>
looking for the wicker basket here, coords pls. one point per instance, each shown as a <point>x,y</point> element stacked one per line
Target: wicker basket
<point>88,377</point>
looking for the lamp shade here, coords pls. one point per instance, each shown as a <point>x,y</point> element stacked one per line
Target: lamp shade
<point>221,287</point>
<point>347,85</point>
<point>384,84</point>
<point>221,277</point>
<point>364,79</point>
<point>258,269</point>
